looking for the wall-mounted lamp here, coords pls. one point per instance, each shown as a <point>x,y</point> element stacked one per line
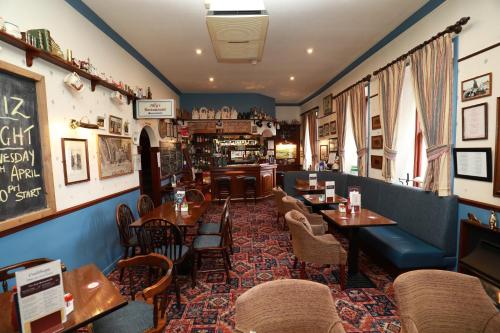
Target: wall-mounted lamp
<point>74,124</point>
<point>269,124</point>
<point>258,123</point>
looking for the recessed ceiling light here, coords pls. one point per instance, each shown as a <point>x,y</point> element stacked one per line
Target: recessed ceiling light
<point>292,78</point>
<point>199,51</point>
<point>211,79</point>
<point>310,50</point>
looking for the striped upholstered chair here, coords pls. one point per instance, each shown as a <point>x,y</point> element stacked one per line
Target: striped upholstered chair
<point>291,306</point>
<point>444,302</point>
<point>316,249</point>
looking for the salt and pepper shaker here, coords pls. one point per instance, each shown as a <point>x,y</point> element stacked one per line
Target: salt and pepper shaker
<point>493,220</point>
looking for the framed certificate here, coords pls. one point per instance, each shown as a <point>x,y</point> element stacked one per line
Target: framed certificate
<point>475,122</point>
<point>473,163</point>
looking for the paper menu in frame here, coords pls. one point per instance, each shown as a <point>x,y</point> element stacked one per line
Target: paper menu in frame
<point>329,189</point>
<point>41,298</point>
<point>354,193</point>
<point>313,179</point>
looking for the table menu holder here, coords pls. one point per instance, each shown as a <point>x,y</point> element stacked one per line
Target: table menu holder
<point>354,199</point>
<point>40,298</point>
<point>313,179</point>
<point>330,191</point>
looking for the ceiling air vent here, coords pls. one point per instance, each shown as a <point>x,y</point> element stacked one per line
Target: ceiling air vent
<point>238,34</point>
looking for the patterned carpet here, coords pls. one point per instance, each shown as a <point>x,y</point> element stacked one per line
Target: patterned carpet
<point>263,252</point>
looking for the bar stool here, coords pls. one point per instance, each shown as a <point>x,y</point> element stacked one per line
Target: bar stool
<point>249,187</point>
<point>222,187</point>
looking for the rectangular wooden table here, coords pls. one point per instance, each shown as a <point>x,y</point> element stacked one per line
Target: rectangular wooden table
<point>353,222</point>
<point>90,303</point>
<point>167,212</point>
<point>303,186</point>
<point>321,200</point>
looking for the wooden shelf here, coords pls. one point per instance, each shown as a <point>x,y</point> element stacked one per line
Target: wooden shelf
<point>33,52</point>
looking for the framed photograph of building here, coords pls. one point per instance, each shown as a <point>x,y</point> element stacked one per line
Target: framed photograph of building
<point>327,104</point>
<point>323,153</point>
<point>477,87</point>
<point>75,159</point>
<point>114,156</point>
<point>333,127</point>
<point>115,125</point>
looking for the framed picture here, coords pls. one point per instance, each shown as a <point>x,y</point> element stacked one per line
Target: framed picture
<point>472,163</point>
<point>326,129</point>
<point>320,131</point>
<point>333,127</point>
<point>475,122</point>
<point>75,159</point>
<point>126,128</point>
<point>323,153</point>
<point>101,122</point>
<point>327,105</point>
<point>115,125</point>
<point>376,162</point>
<point>496,181</point>
<point>477,87</point>
<point>334,145</point>
<point>114,156</point>
<point>377,142</point>
<point>376,123</point>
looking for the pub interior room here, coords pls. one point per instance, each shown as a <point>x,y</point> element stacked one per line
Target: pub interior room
<point>249,166</point>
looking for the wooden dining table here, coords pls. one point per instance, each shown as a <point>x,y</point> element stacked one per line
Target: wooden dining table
<point>90,303</point>
<point>168,212</point>
<point>353,222</point>
<point>304,187</point>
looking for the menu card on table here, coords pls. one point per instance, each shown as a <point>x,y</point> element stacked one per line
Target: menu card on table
<point>180,200</point>
<point>40,298</point>
<point>354,198</point>
<point>313,179</point>
<point>330,190</point>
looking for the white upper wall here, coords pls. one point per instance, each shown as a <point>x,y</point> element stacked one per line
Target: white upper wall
<point>288,113</point>
<point>482,31</point>
<point>72,31</point>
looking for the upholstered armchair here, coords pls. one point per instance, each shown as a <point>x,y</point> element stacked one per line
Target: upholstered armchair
<point>291,306</point>
<point>315,249</point>
<point>316,221</point>
<point>279,194</point>
<point>443,302</point>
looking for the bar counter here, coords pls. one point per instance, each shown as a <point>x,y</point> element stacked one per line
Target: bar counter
<point>265,175</point>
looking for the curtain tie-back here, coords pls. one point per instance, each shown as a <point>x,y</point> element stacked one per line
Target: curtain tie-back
<point>390,153</point>
<point>436,151</point>
<point>362,152</point>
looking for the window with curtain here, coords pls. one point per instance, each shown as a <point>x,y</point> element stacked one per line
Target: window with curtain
<point>410,145</point>
<point>351,152</point>
<point>307,148</point>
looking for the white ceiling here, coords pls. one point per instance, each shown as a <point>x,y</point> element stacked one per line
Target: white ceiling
<point>167,32</point>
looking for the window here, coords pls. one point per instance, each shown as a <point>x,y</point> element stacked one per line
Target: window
<point>411,160</point>
<point>350,150</point>
<point>307,148</point>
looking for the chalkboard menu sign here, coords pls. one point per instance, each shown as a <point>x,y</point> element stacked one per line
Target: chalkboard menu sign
<point>170,158</point>
<point>26,188</point>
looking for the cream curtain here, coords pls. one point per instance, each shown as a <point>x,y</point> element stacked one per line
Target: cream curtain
<point>313,128</point>
<point>390,86</point>
<point>432,69</point>
<point>358,116</point>
<point>341,107</point>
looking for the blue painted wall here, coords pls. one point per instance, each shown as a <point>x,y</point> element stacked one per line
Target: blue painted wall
<point>242,102</point>
<point>86,236</point>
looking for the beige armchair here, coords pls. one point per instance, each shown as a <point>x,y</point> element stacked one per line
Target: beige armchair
<point>287,306</point>
<point>279,194</point>
<point>307,247</point>
<point>444,302</point>
<point>318,225</point>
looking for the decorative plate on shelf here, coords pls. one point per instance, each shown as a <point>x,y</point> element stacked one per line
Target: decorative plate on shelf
<point>226,112</point>
<point>203,113</point>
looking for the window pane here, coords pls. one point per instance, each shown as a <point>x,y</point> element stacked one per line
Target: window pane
<point>350,154</point>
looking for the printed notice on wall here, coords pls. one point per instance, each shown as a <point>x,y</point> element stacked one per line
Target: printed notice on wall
<point>472,164</point>
<point>21,172</point>
<point>41,298</point>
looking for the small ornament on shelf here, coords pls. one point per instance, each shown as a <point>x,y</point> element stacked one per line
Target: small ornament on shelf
<point>493,220</point>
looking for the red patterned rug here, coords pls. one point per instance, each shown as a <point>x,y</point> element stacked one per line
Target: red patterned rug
<point>262,252</point>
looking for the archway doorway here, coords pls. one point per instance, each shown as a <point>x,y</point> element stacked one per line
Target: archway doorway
<point>149,176</point>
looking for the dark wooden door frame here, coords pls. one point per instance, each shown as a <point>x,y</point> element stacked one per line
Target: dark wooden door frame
<point>155,174</point>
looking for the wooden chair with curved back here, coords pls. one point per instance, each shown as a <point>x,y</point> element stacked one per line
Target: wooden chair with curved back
<point>214,244</point>
<point>165,238</point>
<point>8,272</point>
<point>140,316</point>
<point>128,239</point>
<point>216,228</point>
<point>195,195</point>
<point>144,205</point>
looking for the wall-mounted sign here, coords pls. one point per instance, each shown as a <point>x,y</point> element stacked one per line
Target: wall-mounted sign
<point>154,109</point>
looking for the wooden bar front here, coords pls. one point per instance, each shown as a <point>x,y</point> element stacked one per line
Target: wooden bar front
<point>265,174</point>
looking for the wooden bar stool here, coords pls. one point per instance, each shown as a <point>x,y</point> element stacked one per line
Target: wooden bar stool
<point>223,187</point>
<point>249,187</point>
